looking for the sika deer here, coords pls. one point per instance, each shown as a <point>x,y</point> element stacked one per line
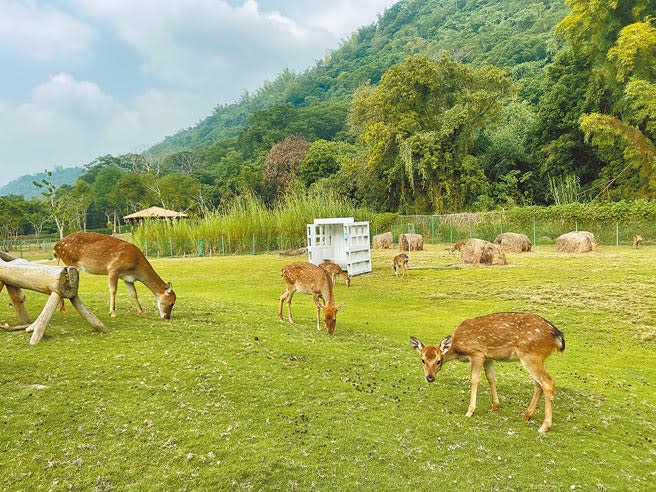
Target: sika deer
<point>334,270</point>
<point>635,239</point>
<point>310,279</point>
<point>499,336</point>
<point>106,255</point>
<point>400,264</point>
<point>457,246</point>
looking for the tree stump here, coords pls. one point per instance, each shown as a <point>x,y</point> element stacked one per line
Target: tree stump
<point>57,282</point>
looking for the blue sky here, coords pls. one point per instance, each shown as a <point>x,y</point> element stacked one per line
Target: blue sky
<point>82,78</point>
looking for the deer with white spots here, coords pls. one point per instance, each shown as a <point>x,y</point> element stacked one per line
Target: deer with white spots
<point>334,270</point>
<point>499,336</point>
<point>315,281</point>
<point>106,255</point>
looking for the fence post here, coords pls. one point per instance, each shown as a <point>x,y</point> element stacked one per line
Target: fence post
<point>253,243</point>
<point>617,234</point>
<point>433,229</point>
<point>534,242</point>
<point>222,246</point>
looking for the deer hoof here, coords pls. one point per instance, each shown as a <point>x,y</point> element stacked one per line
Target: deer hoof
<point>112,315</point>
<point>495,406</point>
<point>528,416</point>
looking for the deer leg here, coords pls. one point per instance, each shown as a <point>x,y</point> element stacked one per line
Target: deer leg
<point>289,306</point>
<point>317,303</point>
<point>489,374</point>
<point>113,281</point>
<point>546,383</point>
<point>537,393</point>
<point>133,293</point>
<point>476,367</point>
<point>282,298</point>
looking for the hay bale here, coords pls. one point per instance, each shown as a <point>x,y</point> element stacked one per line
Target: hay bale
<point>411,242</point>
<point>576,242</point>
<point>480,252</point>
<point>512,242</point>
<point>382,241</point>
<point>294,252</point>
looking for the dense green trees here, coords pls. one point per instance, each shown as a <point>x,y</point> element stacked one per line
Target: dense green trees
<point>439,106</point>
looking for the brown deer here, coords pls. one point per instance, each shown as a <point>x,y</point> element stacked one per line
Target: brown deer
<point>334,270</point>
<point>499,336</point>
<point>400,264</point>
<point>106,255</point>
<point>635,239</point>
<point>310,279</point>
<point>457,246</point>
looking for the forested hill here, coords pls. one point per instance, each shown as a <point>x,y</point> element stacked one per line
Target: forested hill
<point>23,186</point>
<point>515,34</point>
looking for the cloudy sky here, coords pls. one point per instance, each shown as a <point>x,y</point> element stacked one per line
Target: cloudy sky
<point>82,78</point>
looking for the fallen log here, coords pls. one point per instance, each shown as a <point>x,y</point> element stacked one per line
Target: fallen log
<point>57,282</point>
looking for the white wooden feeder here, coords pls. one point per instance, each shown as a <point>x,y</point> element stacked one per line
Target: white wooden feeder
<point>342,241</point>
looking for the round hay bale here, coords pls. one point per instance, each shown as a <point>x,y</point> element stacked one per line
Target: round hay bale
<point>512,242</point>
<point>576,242</point>
<point>382,241</point>
<point>411,242</point>
<point>480,252</point>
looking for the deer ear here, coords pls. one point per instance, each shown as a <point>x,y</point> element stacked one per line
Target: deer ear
<point>169,288</point>
<point>416,344</point>
<point>340,306</point>
<point>445,345</point>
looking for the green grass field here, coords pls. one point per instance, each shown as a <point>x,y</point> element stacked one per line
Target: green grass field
<point>225,397</point>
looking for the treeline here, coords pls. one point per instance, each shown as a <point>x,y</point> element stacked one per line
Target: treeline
<point>441,106</point>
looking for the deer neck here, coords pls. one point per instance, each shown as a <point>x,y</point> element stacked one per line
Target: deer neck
<point>148,276</point>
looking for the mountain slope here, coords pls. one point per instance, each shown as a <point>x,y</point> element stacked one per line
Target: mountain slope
<point>23,185</point>
<point>517,34</point>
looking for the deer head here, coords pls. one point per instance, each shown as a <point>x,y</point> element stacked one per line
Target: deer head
<point>432,356</point>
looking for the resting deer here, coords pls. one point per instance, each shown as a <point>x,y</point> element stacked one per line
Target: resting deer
<point>457,246</point>
<point>635,239</point>
<point>334,270</point>
<point>499,336</point>
<point>106,255</point>
<point>400,264</point>
<point>310,279</point>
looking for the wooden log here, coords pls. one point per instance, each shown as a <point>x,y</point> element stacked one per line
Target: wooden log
<point>86,313</point>
<point>41,278</point>
<point>18,300</point>
<point>38,328</point>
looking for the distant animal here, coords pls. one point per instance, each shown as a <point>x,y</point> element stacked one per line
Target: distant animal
<point>400,264</point>
<point>334,270</point>
<point>499,336</point>
<point>315,281</point>
<point>106,255</point>
<point>635,239</point>
<point>457,246</point>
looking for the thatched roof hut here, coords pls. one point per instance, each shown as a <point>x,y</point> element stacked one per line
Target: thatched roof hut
<point>154,213</point>
<point>576,242</point>
<point>512,242</point>
<point>481,252</point>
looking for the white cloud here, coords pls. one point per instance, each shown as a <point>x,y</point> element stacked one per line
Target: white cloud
<point>209,46</point>
<point>42,33</point>
<point>69,122</point>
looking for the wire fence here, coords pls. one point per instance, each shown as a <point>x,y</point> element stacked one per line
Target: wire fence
<point>435,229</point>
<point>458,227</point>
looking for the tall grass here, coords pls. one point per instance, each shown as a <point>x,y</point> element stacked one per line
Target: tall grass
<point>246,226</point>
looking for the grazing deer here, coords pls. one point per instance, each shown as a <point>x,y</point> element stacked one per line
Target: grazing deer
<point>457,246</point>
<point>106,255</point>
<point>334,270</point>
<point>310,279</point>
<point>499,336</point>
<point>635,239</point>
<point>400,264</point>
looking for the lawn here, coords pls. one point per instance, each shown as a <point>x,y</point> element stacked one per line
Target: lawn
<point>225,397</point>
